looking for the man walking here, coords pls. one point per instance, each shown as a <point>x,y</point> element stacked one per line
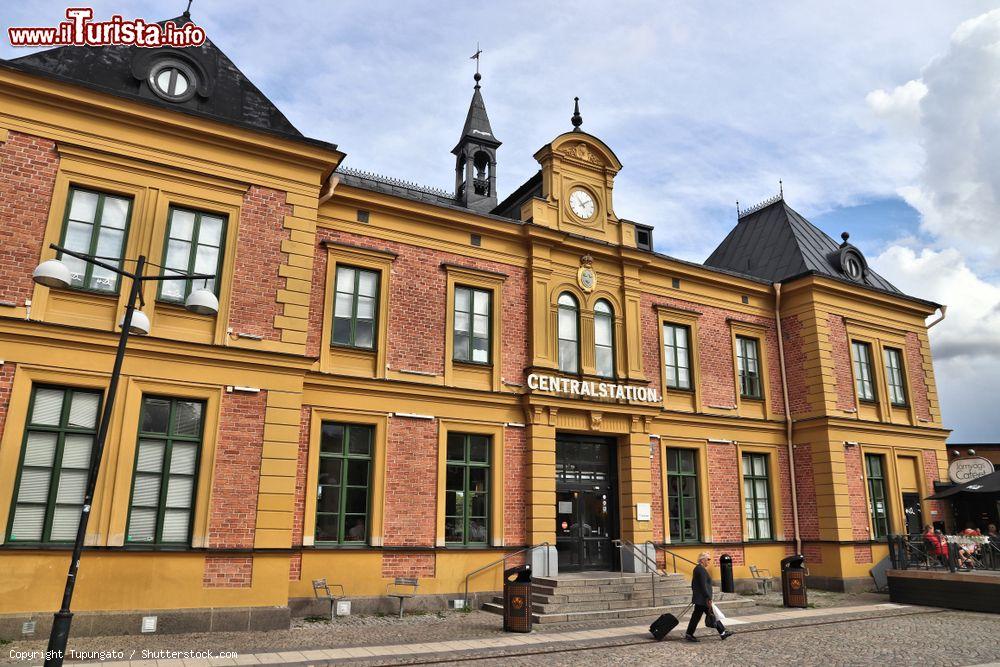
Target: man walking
<point>701,597</point>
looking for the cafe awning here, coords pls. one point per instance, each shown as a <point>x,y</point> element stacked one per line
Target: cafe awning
<point>986,484</point>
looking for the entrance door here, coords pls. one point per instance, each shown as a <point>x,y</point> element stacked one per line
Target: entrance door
<point>911,511</point>
<point>585,503</point>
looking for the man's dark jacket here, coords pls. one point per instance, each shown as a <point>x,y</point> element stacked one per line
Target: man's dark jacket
<point>701,586</point>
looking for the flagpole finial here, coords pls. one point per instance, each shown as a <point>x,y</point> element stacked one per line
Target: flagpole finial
<point>577,119</point>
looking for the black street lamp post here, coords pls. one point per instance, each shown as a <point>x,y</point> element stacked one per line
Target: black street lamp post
<point>53,273</point>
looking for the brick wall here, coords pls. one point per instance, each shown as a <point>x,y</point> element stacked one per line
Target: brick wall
<point>254,302</point>
<point>233,513</point>
<point>516,497</point>
<point>860,521</point>
<point>841,352</point>
<point>6,381</point>
<point>715,346</point>
<point>724,493</point>
<point>301,469</point>
<point>411,483</point>
<point>918,377</point>
<point>228,572</point>
<point>656,481</point>
<point>417,301</point>
<point>930,467</point>
<point>408,565</point>
<point>795,364</point>
<point>28,167</point>
<point>805,487</point>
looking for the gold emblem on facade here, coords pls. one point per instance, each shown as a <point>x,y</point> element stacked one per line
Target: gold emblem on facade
<point>585,276</point>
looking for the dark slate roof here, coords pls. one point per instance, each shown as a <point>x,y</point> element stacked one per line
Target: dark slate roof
<point>511,206</point>
<point>367,180</point>
<point>477,124</point>
<point>227,95</point>
<point>776,243</point>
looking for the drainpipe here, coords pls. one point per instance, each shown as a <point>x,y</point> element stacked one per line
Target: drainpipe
<point>944,311</point>
<point>788,417</point>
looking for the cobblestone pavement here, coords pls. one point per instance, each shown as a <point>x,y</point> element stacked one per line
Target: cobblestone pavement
<point>752,647</point>
<point>929,640</point>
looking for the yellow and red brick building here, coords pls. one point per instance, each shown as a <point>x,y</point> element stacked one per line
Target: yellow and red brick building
<point>408,382</point>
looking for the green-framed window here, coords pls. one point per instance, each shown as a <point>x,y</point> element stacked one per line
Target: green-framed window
<point>569,333</point>
<point>677,356</point>
<point>55,463</point>
<point>342,499</point>
<point>748,365</point>
<point>877,507</point>
<point>194,244</point>
<point>95,224</point>
<point>894,376</point>
<point>604,339</point>
<point>355,308</point>
<point>165,476</point>
<point>864,381</point>
<point>467,489</point>
<point>682,495</point>
<point>473,322</point>
<point>757,496</point>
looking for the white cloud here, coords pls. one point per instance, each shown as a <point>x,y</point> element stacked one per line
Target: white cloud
<point>901,104</point>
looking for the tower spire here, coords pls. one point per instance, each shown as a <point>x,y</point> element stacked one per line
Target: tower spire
<point>475,153</point>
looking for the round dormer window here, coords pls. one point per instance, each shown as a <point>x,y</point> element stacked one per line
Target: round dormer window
<point>852,264</point>
<point>173,80</point>
<point>852,267</point>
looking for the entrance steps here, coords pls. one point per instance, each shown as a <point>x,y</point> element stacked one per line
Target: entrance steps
<point>607,595</point>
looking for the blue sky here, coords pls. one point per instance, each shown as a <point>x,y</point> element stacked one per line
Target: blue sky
<point>883,122</point>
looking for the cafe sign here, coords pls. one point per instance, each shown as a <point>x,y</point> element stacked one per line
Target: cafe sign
<point>590,389</point>
<point>965,470</point>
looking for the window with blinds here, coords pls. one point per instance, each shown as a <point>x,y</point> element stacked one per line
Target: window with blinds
<point>166,471</point>
<point>55,463</point>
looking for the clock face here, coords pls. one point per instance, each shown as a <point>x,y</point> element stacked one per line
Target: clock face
<point>582,204</point>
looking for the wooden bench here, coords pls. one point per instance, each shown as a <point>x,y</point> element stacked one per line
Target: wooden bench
<point>763,581</point>
<point>321,585</point>
<point>402,589</point>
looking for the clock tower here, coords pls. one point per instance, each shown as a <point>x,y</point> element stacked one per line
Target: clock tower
<point>578,172</point>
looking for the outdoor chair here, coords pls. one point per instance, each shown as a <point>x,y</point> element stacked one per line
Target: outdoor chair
<point>403,588</point>
<point>762,578</point>
<point>321,585</point>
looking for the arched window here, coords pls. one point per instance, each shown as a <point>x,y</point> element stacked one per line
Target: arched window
<point>569,334</point>
<point>604,339</point>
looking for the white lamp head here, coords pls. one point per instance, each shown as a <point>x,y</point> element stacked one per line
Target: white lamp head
<point>52,273</point>
<point>140,323</point>
<point>203,302</point>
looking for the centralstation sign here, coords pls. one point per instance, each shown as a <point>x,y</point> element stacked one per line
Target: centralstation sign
<point>590,389</point>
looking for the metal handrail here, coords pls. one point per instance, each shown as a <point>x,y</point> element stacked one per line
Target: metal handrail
<point>504,559</point>
<point>668,551</point>
<point>654,572</point>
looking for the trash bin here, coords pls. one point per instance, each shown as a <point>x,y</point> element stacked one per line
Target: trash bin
<point>726,573</point>
<point>517,599</point>
<point>793,581</point>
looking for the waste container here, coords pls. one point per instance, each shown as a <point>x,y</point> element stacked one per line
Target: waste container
<point>793,581</point>
<point>517,599</point>
<point>726,573</point>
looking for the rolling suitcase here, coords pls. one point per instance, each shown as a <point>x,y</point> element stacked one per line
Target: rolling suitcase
<point>664,624</point>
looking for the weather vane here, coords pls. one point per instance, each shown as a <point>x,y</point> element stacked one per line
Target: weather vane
<point>475,56</point>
